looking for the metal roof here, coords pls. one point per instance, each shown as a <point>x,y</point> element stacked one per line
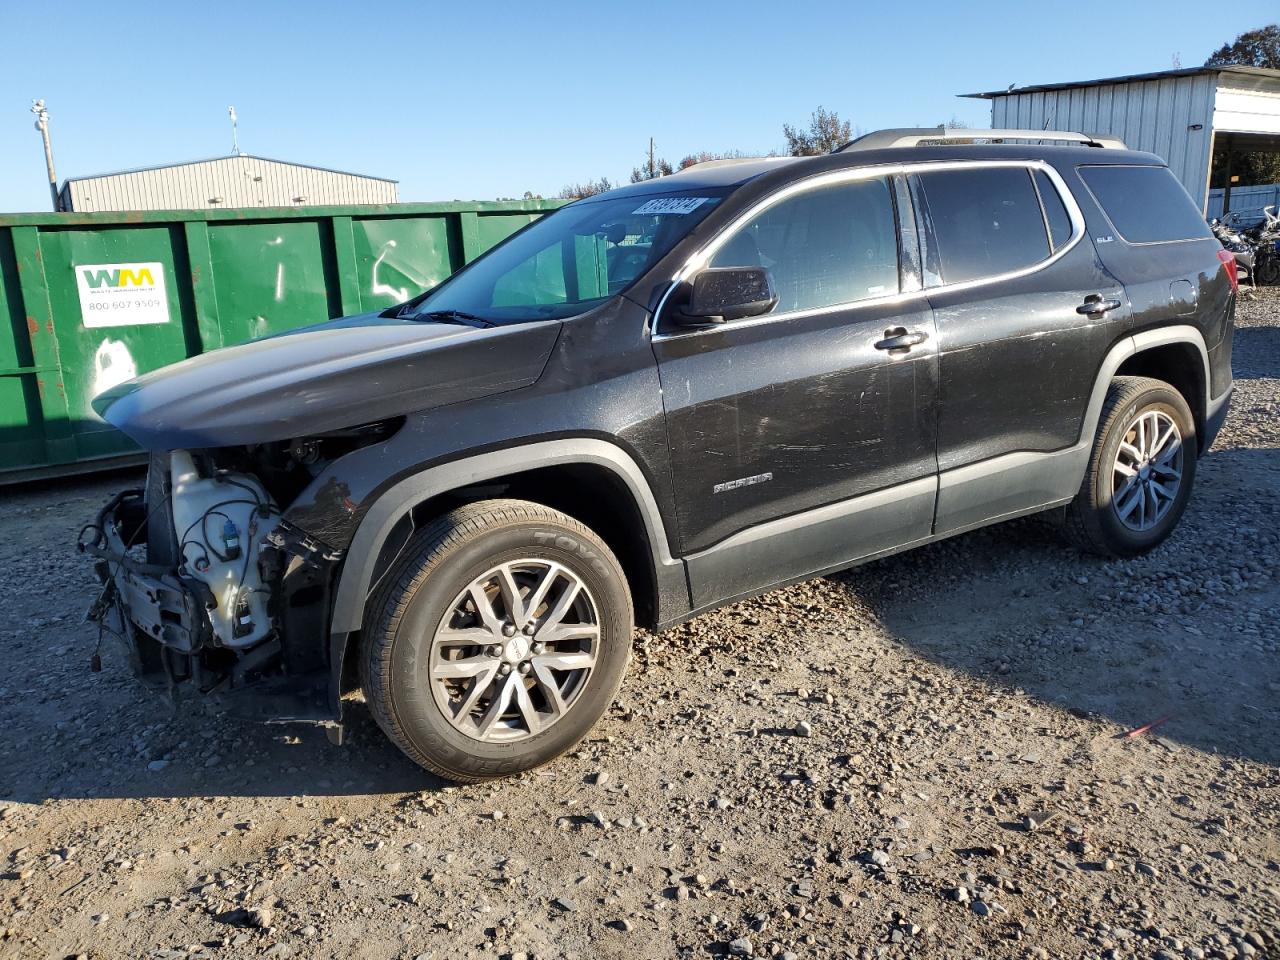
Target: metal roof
<point>232,156</point>
<point>1261,72</point>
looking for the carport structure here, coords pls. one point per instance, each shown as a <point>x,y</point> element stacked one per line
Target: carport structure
<point>1217,127</point>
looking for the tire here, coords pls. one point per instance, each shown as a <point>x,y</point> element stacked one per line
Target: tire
<point>426,603</point>
<point>1094,520</point>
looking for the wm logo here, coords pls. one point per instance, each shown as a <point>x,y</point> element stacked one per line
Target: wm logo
<point>119,278</point>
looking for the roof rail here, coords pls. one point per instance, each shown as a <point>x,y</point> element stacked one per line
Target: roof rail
<point>726,162</point>
<point>914,136</point>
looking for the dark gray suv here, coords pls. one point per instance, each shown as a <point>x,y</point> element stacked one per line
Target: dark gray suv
<point>655,401</point>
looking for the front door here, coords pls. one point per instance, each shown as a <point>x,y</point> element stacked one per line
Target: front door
<point>804,439</point>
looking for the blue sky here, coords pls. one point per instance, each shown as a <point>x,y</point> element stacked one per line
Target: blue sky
<point>479,100</point>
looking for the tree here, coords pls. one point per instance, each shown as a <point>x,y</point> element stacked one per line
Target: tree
<point>702,156</point>
<point>651,170</point>
<point>826,132</point>
<point>576,191</point>
<point>1254,48</point>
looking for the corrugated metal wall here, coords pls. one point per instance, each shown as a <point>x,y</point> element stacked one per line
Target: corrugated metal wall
<point>1247,203</point>
<point>228,182</point>
<point>1151,115</point>
<point>1248,104</point>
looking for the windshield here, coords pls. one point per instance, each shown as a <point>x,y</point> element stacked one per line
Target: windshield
<point>570,260</point>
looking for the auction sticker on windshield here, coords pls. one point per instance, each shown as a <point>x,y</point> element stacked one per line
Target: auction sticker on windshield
<point>671,205</point>
<point>122,294</point>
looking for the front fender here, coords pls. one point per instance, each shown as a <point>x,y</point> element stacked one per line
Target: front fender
<point>356,578</point>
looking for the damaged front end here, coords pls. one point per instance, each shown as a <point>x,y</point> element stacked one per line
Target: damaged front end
<point>212,590</point>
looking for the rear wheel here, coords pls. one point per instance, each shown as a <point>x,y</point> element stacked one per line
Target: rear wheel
<point>498,641</point>
<point>1267,271</point>
<point>1141,471</point>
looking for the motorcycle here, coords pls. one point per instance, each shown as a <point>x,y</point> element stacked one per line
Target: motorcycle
<point>1240,247</point>
<point>1265,239</point>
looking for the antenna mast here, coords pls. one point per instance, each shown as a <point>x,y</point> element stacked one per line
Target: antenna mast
<point>235,136</point>
<point>42,124</point>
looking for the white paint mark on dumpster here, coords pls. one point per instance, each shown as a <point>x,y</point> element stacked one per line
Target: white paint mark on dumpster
<point>112,365</point>
<point>279,271</point>
<point>384,289</point>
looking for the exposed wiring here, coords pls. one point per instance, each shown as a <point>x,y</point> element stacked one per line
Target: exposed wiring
<point>95,662</point>
<point>263,507</point>
<point>243,486</point>
<point>182,553</point>
<point>204,532</point>
<point>110,597</point>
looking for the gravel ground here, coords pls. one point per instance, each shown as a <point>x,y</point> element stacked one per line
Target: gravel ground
<point>923,757</point>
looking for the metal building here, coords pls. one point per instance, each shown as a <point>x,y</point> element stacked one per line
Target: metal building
<point>1189,117</point>
<point>239,180</point>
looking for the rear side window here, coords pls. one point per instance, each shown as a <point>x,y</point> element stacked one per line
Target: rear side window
<point>837,244</point>
<point>1055,211</point>
<point>1145,204</point>
<point>986,221</point>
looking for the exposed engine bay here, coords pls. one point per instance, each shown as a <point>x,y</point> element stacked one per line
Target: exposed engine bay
<point>210,588</point>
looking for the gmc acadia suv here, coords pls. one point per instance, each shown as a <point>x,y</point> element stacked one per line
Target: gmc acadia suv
<point>655,401</point>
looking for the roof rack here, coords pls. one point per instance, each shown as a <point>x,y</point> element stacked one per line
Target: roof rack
<point>914,136</point>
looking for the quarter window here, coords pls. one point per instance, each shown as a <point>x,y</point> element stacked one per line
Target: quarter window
<point>986,221</point>
<point>1146,204</point>
<point>824,247</point>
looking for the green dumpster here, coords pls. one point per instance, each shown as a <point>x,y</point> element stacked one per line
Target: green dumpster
<point>93,299</point>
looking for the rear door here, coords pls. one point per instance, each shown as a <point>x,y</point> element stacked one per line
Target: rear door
<point>1025,312</point>
<point>1153,238</point>
<point>778,423</point>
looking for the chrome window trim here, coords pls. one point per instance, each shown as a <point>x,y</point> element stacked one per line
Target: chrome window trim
<point>698,260</point>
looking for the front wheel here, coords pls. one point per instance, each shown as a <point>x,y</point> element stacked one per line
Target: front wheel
<point>1140,473</point>
<point>498,641</point>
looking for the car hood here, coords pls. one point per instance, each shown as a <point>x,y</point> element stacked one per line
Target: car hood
<point>340,374</point>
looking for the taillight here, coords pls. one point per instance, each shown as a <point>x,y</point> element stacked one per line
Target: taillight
<point>1229,264</point>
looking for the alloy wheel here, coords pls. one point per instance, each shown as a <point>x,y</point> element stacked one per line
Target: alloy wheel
<point>1147,473</point>
<point>513,654</point>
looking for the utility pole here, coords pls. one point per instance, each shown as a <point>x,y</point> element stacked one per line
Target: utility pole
<point>42,124</point>
<point>652,171</point>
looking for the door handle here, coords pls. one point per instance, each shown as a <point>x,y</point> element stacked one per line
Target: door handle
<point>1095,306</point>
<point>901,339</point>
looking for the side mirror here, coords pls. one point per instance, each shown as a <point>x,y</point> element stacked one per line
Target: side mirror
<point>719,294</point>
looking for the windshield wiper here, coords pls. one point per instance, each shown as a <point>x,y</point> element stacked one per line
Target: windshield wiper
<point>460,317</point>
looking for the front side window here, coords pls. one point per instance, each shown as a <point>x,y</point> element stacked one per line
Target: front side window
<point>571,260</point>
<point>986,221</point>
<point>828,246</point>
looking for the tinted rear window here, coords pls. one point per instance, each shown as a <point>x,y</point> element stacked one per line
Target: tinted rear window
<point>1146,204</point>
<point>986,221</point>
